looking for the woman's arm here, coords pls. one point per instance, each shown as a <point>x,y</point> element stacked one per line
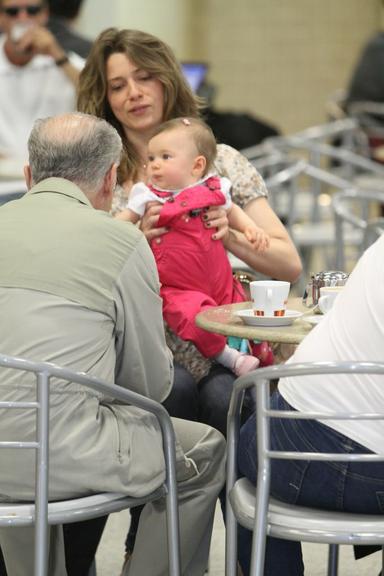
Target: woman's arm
<point>281,260</point>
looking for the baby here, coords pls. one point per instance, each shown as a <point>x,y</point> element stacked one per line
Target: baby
<point>194,269</point>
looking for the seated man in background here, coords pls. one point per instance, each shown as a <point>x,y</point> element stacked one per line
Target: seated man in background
<point>353,330</point>
<point>37,77</point>
<point>81,289</point>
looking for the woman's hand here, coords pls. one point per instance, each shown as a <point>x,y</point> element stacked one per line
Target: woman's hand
<point>215,217</point>
<point>148,223</point>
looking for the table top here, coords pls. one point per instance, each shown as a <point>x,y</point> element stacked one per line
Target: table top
<point>222,320</point>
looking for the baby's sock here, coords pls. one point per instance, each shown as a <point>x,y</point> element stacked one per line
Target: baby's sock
<point>236,361</point>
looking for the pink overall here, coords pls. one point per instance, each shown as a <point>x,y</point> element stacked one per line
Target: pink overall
<point>194,270</point>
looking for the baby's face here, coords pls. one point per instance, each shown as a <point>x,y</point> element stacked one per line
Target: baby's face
<point>171,160</point>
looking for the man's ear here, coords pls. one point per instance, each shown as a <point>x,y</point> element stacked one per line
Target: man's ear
<point>28,176</point>
<point>105,194</point>
<point>199,166</point>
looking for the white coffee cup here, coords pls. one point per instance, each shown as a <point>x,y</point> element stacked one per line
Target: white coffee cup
<point>269,297</point>
<point>328,295</point>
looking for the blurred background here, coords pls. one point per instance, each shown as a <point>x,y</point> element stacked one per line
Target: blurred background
<point>276,59</point>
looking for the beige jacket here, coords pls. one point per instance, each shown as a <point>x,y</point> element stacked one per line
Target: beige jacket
<point>80,289</point>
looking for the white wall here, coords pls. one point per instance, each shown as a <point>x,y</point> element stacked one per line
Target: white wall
<point>164,18</point>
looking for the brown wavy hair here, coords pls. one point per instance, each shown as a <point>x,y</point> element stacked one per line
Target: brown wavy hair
<point>148,53</point>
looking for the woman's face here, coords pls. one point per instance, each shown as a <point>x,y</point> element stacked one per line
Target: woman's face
<point>136,98</point>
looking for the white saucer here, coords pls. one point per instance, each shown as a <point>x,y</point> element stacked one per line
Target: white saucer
<point>315,319</point>
<point>248,316</point>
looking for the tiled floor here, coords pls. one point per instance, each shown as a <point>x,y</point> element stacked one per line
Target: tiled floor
<point>109,558</point>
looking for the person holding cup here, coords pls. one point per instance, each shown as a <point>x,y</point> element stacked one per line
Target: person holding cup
<point>37,77</point>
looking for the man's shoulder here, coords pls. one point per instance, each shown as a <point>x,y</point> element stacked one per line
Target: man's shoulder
<point>118,236</point>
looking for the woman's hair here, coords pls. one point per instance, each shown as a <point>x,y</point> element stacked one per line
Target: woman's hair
<point>148,53</point>
<point>199,131</point>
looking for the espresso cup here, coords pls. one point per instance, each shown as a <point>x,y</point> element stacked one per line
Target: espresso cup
<point>328,295</point>
<point>269,297</point>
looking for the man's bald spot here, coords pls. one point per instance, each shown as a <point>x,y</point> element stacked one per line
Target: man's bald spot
<point>67,128</point>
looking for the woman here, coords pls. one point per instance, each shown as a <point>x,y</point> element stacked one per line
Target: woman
<point>133,80</point>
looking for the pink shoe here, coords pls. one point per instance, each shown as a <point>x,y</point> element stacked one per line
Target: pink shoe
<point>244,364</point>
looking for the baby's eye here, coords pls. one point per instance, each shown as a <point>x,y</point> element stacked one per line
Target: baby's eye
<point>166,156</point>
<point>151,158</point>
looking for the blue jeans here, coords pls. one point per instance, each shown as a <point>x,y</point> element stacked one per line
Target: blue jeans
<point>353,487</point>
<point>215,391</point>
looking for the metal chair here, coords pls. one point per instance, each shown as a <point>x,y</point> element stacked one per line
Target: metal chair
<point>42,513</point>
<point>253,507</point>
<point>302,171</point>
<point>301,195</point>
<point>357,209</point>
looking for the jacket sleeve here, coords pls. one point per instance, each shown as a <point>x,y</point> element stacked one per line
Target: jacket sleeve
<point>143,361</point>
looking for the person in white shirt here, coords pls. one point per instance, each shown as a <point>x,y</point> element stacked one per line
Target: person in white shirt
<point>37,77</point>
<point>352,330</point>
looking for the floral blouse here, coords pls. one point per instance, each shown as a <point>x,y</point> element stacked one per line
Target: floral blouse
<point>247,184</point>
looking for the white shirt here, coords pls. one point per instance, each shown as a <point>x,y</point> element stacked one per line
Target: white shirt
<point>36,90</point>
<point>353,330</point>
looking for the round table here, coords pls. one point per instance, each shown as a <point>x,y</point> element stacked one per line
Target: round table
<point>222,320</point>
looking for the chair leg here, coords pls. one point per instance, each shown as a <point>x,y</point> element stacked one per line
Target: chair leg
<point>333,559</point>
<point>92,570</point>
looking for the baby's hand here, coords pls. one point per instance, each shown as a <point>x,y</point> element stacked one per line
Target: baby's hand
<point>257,237</point>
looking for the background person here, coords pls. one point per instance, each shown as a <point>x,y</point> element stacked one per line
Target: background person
<point>37,77</point>
<point>352,330</point>
<point>194,270</point>
<point>93,306</point>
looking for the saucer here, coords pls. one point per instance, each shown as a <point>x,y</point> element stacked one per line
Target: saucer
<point>248,316</point>
<point>315,319</point>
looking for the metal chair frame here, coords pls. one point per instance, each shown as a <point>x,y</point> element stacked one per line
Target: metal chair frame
<point>351,208</point>
<point>252,506</point>
<point>42,513</point>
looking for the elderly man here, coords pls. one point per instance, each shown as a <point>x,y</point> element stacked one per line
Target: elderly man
<point>37,77</point>
<point>80,289</point>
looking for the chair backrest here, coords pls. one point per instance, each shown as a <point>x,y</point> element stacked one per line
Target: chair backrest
<point>43,373</point>
<point>359,209</point>
<point>261,380</point>
<point>370,116</point>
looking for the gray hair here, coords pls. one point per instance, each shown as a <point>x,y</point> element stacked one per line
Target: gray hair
<point>77,146</point>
